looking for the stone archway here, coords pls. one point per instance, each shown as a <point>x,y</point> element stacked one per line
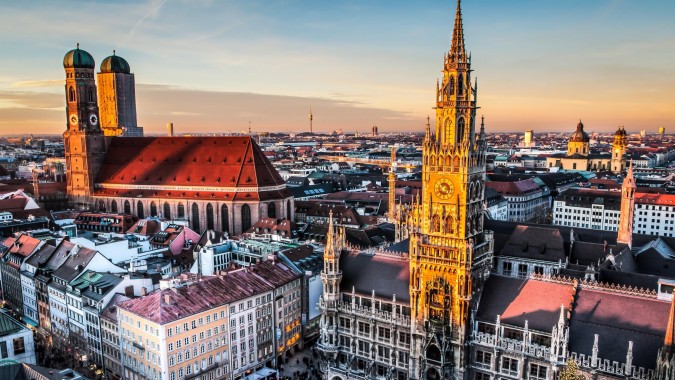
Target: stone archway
<point>432,374</point>
<point>336,378</point>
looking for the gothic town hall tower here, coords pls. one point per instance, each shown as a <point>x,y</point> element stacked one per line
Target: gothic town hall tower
<point>450,255</point>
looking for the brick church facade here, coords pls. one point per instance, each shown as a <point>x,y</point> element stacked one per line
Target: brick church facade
<point>222,183</point>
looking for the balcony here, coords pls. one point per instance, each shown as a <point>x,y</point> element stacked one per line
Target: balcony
<point>381,316</point>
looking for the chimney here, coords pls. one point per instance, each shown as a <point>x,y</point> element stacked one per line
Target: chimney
<point>129,291</point>
<point>169,127</point>
<point>167,299</point>
<point>144,291</point>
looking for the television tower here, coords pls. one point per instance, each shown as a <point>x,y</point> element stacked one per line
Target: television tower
<point>311,117</point>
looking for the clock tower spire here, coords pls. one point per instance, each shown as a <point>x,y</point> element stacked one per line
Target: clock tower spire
<point>450,254</point>
<point>84,143</point>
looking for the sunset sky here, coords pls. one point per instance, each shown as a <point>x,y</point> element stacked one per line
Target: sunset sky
<point>213,66</point>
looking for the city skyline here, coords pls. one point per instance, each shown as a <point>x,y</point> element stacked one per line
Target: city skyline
<point>213,67</point>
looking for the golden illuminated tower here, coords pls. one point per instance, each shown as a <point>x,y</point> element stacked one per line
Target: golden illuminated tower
<point>618,151</point>
<point>392,186</point>
<point>84,143</point>
<point>625,234</point>
<point>449,253</point>
<point>117,98</point>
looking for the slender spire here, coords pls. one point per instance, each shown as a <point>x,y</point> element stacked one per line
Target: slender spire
<point>630,179</point>
<point>457,50</point>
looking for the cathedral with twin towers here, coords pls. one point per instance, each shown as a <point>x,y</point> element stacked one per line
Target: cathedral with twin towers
<point>222,183</point>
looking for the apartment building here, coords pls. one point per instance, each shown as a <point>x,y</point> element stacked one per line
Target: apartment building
<point>654,214</point>
<point>191,328</point>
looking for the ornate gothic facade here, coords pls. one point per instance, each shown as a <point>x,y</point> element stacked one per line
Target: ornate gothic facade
<point>435,309</point>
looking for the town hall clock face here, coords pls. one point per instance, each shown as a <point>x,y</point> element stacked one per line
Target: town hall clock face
<point>444,188</point>
<point>73,119</point>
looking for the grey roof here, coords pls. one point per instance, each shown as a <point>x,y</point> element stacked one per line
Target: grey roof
<point>74,264</point>
<point>41,256</point>
<point>535,243</point>
<point>386,275</point>
<point>618,319</point>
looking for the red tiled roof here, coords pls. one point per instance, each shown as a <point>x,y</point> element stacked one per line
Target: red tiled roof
<point>655,199</point>
<point>208,293</point>
<point>186,161</point>
<point>518,300</point>
<point>513,188</point>
<point>23,246</point>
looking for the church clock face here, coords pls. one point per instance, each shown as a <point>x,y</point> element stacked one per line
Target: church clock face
<point>444,188</point>
<point>93,119</point>
<point>73,119</point>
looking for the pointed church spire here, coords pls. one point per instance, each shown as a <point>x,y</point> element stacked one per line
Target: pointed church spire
<point>630,179</point>
<point>457,50</point>
<point>625,233</point>
<point>329,251</point>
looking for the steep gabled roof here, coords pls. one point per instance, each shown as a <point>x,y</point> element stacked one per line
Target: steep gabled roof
<point>617,319</point>
<point>190,161</point>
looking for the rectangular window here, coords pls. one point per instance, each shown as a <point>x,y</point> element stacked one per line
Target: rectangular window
<point>506,268</point>
<point>537,372</point>
<point>509,366</point>
<point>484,357</point>
<point>364,328</point>
<point>19,347</point>
<point>522,270</point>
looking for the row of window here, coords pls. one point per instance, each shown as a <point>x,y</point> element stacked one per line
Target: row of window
<point>509,366</point>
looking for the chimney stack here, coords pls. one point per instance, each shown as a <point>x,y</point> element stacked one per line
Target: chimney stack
<point>169,127</point>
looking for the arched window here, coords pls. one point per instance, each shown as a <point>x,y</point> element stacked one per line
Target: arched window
<point>451,86</point>
<point>101,205</point>
<point>167,210</point>
<point>139,210</point>
<point>181,211</point>
<point>272,210</point>
<point>113,206</point>
<point>127,207</point>
<point>460,129</point>
<point>91,94</point>
<point>449,225</point>
<point>71,94</point>
<point>460,85</point>
<point>288,209</point>
<point>210,224</point>
<point>448,130</point>
<point>195,218</point>
<point>436,224</point>
<point>245,218</point>
<point>224,219</point>
<point>153,209</point>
